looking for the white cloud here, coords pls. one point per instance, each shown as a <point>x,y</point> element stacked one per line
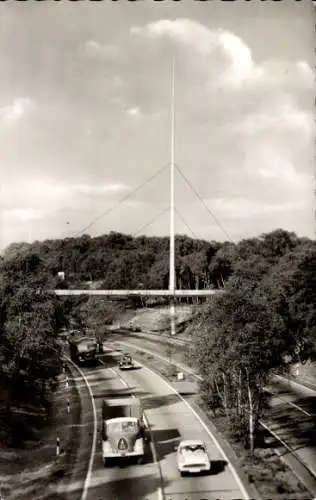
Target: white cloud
<point>248,208</point>
<point>282,118</point>
<point>243,125</point>
<point>306,71</point>
<point>16,110</point>
<point>235,56</point>
<point>49,195</point>
<point>23,214</point>
<point>233,60</point>
<point>269,131</point>
<point>95,189</point>
<point>134,112</point>
<point>106,51</point>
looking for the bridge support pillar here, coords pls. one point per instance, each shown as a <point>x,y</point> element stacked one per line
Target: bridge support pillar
<point>172,316</point>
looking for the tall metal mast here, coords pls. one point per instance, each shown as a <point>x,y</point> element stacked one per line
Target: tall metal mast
<point>172,199</point>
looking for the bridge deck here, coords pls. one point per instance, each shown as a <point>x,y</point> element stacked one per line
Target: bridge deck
<point>128,293</point>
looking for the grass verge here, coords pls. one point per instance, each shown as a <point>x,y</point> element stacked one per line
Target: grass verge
<point>33,472</point>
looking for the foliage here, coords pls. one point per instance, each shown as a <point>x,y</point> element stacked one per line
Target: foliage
<point>115,260</point>
<point>293,294</point>
<point>30,356</point>
<point>265,318</point>
<point>96,314</point>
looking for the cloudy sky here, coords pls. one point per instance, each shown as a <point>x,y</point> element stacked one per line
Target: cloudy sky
<point>84,117</point>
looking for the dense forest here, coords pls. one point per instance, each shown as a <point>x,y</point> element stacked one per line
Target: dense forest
<point>114,261</point>
<point>266,316</point>
<point>118,261</point>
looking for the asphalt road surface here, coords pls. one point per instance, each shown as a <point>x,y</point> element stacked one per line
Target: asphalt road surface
<point>291,418</point>
<point>170,421</point>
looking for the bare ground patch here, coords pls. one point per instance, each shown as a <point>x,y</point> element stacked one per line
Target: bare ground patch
<point>158,318</point>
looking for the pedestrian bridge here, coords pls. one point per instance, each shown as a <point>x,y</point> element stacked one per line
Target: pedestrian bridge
<point>137,293</point>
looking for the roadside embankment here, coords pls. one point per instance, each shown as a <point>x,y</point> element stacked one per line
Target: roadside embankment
<point>33,470</point>
<point>74,470</point>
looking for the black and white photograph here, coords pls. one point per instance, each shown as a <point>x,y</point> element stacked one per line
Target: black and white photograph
<point>157,250</point>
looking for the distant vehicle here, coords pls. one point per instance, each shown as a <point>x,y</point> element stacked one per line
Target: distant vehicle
<point>135,329</point>
<point>83,349</point>
<point>124,432</point>
<point>192,457</point>
<point>126,362</point>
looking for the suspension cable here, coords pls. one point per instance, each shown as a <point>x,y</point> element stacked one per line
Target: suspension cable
<point>151,221</point>
<point>126,197</point>
<point>203,203</point>
<point>185,223</point>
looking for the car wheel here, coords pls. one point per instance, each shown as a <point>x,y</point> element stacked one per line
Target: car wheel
<point>182,473</point>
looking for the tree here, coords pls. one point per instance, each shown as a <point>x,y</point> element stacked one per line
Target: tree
<point>29,351</point>
<point>293,294</point>
<point>97,313</point>
<point>222,264</point>
<point>240,340</point>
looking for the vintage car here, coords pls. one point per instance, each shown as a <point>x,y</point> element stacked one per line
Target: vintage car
<point>126,362</point>
<point>192,457</point>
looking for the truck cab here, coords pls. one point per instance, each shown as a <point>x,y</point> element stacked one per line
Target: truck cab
<point>124,432</point>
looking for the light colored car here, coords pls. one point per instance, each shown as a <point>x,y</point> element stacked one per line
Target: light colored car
<point>192,457</point>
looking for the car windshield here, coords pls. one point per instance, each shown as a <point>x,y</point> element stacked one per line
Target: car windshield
<point>193,447</point>
<point>126,426</point>
<point>86,346</point>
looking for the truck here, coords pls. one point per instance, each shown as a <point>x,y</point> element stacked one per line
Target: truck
<point>83,349</point>
<point>125,434</point>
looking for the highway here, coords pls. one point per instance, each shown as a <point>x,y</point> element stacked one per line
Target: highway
<point>292,409</point>
<point>292,418</point>
<point>170,419</point>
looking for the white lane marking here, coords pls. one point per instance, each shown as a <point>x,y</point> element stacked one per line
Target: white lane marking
<point>155,457</point>
<point>295,383</point>
<point>152,447</point>
<point>188,370</point>
<point>292,404</point>
<point>200,378</point>
<point>197,376</point>
<point>295,454</point>
<point>184,368</point>
<point>94,439</point>
<point>237,478</point>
